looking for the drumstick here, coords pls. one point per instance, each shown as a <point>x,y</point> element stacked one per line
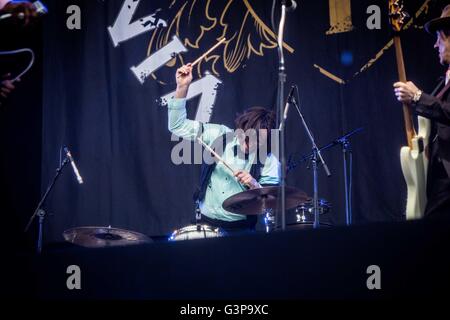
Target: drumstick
<point>208,52</point>
<point>220,159</point>
<point>215,154</point>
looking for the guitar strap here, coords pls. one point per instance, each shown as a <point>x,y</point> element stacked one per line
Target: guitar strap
<point>438,96</point>
<point>443,91</point>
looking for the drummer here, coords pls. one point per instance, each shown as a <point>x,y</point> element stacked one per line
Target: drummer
<point>241,153</point>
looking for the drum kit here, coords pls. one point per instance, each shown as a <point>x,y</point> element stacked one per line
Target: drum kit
<point>260,201</point>
<point>266,201</point>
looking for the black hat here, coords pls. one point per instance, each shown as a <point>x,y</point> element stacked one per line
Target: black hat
<point>441,23</point>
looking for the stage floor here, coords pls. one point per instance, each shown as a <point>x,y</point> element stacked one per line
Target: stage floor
<point>409,259</point>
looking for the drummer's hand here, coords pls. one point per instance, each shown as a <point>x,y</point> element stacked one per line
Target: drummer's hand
<point>184,79</point>
<point>246,179</point>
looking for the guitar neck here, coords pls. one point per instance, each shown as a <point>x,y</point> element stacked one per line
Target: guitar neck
<point>407,115</point>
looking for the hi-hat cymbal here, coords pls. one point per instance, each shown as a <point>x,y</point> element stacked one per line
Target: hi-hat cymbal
<point>255,201</point>
<point>98,237</point>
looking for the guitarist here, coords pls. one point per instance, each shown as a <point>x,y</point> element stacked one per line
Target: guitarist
<point>14,17</point>
<point>437,109</point>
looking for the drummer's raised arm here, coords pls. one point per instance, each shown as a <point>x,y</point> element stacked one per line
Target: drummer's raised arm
<point>183,79</point>
<point>178,123</point>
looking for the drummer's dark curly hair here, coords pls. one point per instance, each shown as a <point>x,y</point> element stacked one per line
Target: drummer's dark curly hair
<point>255,118</point>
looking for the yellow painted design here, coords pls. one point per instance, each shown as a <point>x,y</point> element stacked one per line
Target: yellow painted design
<point>329,74</point>
<point>251,36</point>
<point>423,9</point>
<point>340,16</point>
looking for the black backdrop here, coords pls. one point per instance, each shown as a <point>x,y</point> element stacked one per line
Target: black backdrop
<point>117,130</point>
<point>20,133</point>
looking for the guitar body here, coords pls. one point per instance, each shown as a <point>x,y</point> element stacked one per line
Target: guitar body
<point>414,164</point>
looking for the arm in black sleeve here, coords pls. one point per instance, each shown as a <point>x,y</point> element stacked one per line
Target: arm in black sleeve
<point>433,108</point>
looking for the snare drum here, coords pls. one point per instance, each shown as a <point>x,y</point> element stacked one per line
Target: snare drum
<point>196,232</point>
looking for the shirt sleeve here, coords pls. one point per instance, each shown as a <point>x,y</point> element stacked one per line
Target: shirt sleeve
<point>185,128</point>
<point>271,171</point>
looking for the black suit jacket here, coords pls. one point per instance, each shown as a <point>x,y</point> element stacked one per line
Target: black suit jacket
<point>438,110</point>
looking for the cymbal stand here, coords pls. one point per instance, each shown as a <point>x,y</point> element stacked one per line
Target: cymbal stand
<point>198,215</point>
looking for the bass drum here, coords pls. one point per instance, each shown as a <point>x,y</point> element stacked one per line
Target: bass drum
<point>196,232</point>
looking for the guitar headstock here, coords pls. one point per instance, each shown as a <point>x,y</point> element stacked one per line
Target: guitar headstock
<point>396,14</point>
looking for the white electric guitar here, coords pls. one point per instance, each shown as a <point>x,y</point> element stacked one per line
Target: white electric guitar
<point>413,157</point>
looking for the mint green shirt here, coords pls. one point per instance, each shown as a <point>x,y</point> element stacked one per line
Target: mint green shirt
<point>222,184</point>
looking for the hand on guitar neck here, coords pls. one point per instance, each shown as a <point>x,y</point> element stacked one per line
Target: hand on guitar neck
<point>407,92</point>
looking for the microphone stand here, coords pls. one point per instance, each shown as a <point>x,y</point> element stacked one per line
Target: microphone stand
<point>347,150</point>
<point>281,82</point>
<point>316,158</point>
<point>344,141</point>
<point>40,212</point>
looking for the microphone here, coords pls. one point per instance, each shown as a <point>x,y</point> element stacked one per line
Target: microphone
<point>40,8</point>
<point>291,5</point>
<point>286,107</point>
<point>288,103</point>
<point>74,167</point>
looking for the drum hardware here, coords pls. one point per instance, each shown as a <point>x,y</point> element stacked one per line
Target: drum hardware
<point>197,230</point>
<point>347,167</point>
<point>258,201</point>
<point>198,215</point>
<point>300,218</point>
<point>307,207</point>
<point>100,237</point>
<point>269,220</point>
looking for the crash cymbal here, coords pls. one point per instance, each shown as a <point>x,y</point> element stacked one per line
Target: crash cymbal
<point>254,201</point>
<point>98,237</point>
